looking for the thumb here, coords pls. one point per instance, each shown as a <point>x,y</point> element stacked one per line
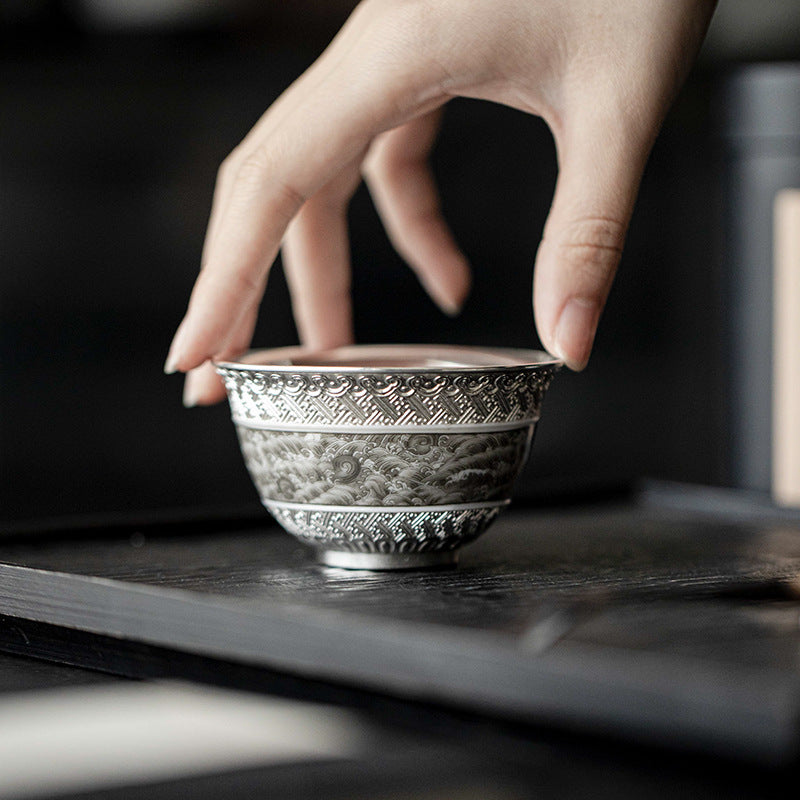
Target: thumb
<point>583,237</point>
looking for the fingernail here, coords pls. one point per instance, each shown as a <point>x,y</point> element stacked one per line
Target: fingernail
<point>452,309</point>
<point>189,395</point>
<point>452,303</point>
<point>170,365</point>
<point>575,332</point>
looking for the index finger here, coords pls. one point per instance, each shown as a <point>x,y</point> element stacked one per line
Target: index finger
<point>321,129</point>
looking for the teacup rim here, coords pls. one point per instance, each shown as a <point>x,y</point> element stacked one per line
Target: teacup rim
<point>280,359</point>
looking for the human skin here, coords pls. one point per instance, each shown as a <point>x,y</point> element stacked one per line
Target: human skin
<point>601,73</point>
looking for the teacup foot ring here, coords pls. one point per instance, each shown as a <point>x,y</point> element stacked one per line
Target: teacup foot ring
<point>344,559</point>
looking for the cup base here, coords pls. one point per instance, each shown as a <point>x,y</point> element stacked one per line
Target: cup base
<point>344,559</point>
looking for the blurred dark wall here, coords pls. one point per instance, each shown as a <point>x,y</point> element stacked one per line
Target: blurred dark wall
<point>109,146</point>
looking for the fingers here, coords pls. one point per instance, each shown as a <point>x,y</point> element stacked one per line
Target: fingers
<point>320,125</point>
<point>402,186</point>
<point>316,260</point>
<point>610,104</point>
<point>584,234</point>
<point>280,110</point>
<point>202,385</point>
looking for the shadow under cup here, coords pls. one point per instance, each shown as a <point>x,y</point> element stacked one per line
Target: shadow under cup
<point>386,457</point>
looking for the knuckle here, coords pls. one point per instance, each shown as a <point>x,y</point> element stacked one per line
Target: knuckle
<point>392,54</point>
<point>256,175</point>
<point>287,198</point>
<point>240,287</point>
<point>604,233</point>
<point>228,166</point>
<point>590,247</point>
<point>397,32</point>
<point>230,285</point>
<point>252,170</point>
<point>246,284</point>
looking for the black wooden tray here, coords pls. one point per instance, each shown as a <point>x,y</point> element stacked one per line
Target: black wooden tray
<point>644,617</point>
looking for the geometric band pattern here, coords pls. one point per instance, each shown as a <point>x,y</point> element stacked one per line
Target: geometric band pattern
<point>286,398</point>
<point>405,531</point>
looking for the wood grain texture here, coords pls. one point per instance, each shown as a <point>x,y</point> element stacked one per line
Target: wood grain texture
<point>628,618</point>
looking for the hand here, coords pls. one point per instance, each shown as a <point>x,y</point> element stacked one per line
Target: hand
<point>601,73</point>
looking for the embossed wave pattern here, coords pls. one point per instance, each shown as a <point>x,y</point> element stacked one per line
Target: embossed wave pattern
<point>383,469</point>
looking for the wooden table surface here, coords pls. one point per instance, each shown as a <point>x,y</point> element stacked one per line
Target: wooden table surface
<point>668,624</point>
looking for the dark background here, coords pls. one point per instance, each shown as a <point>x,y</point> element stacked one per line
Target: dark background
<point>113,121</point>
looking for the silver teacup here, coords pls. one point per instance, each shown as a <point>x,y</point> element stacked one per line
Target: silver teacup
<point>386,456</point>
